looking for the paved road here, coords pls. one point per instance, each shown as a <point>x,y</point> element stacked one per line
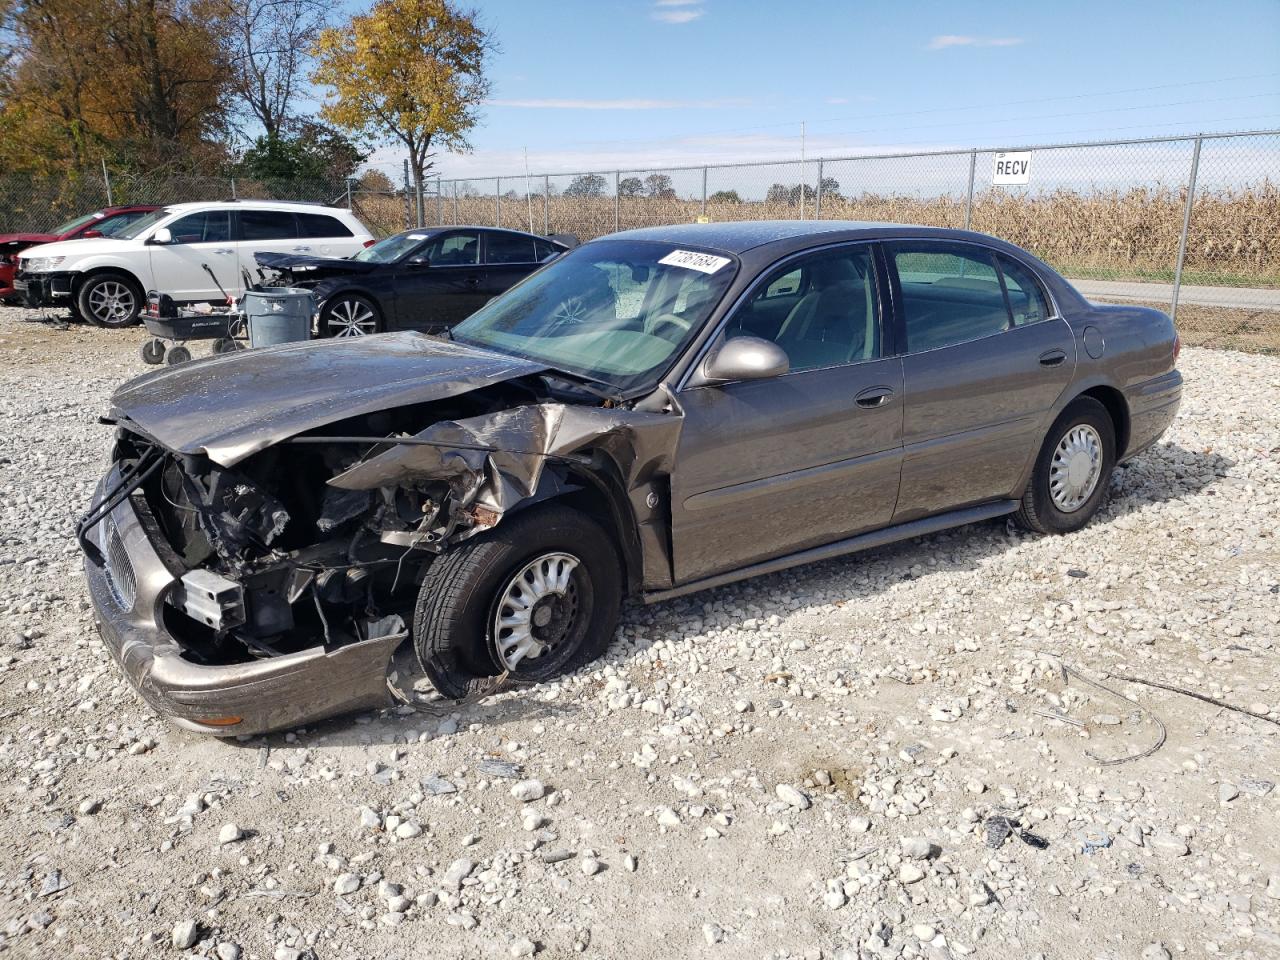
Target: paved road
<point>1241,298</point>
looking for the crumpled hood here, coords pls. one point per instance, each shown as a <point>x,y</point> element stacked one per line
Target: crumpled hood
<point>78,248</point>
<point>233,405</point>
<point>25,239</point>
<point>303,266</point>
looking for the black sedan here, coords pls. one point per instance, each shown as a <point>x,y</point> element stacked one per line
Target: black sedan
<point>427,279</point>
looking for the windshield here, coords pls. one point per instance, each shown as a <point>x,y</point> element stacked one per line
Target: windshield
<point>616,311</point>
<point>141,225</point>
<point>72,224</point>
<point>390,249</point>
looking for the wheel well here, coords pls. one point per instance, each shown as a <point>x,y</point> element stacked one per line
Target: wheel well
<point>328,299</point>
<point>82,278</point>
<point>1114,401</point>
<point>608,507</point>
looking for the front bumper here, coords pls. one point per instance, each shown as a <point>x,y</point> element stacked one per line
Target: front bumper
<point>128,593</point>
<point>43,289</point>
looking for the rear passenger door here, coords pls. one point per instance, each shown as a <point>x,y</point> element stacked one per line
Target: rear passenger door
<point>324,236</point>
<point>266,231</point>
<point>508,259</point>
<point>984,361</point>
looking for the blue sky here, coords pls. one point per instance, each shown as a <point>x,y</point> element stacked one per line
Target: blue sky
<point>633,83</point>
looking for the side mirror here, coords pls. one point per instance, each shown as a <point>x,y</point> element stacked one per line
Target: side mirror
<point>422,261</point>
<point>745,358</point>
<point>90,234</point>
<point>162,236</point>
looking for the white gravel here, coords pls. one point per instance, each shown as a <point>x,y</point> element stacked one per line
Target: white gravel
<point>804,765</point>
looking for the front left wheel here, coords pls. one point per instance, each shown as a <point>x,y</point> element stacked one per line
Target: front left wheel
<point>109,300</point>
<point>537,597</point>
<point>349,315</point>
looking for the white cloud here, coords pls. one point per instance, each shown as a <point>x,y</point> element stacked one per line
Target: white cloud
<point>554,103</point>
<point>677,11</point>
<point>946,40</point>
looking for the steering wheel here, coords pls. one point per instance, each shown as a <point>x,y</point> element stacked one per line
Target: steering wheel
<point>654,325</point>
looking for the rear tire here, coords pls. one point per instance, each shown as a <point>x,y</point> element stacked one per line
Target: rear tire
<point>1072,474</point>
<point>549,575</point>
<point>112,300</point>
<point>349,315</point>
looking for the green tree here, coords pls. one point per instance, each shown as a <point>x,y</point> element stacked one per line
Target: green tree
<point>724,196</point>
<point>409,72</point>
<point>658,185</point>
<point>315,153</point>
<point>586,185</point>
<point>630,187</point>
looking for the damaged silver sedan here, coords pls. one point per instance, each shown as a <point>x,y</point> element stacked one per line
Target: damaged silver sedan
<point>653,413</point>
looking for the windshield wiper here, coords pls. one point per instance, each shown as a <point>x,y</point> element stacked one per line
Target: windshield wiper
<point>593,387</point>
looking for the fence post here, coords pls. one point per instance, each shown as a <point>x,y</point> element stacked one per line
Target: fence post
<point>408,215</point>
<point>546,205</point>
<point>439,202</point>
<point>968,202</point>
<point>817,196</point>
<point>617,198</point>
<point>106,179</point>
<point>1186,227</point>
<point>348,193</point>
<point>497,194</point>
<point>704,191</point>
<point>455,203</point>
<point>233,188</point>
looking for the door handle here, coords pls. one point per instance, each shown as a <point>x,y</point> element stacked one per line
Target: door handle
<point>874,397</point>
<point>301,249</point>
<point>1052,358</point>
<point>225,251</point>
<point>472,281</point>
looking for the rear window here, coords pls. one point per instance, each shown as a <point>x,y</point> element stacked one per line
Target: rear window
<point>545,250</point>
<point>267,225</point>
<point>319,225</point>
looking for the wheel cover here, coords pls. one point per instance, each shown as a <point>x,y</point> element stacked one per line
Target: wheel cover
<point>110,301</point>
<point>537,609</point>
<point>351,318</point>
<point>1075,468</point>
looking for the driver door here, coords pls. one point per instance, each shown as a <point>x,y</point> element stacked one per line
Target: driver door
<point>769,467</point>
<point>197,239</point>
<point>446,289</point>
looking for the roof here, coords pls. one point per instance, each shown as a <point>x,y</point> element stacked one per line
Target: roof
<point>431,231</point>
<point>742,235</point>
<point>251,203</point>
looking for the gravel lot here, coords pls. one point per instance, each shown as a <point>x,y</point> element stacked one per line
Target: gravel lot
<point>804,765</point>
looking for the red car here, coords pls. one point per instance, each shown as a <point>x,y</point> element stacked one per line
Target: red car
<point>100,223</point>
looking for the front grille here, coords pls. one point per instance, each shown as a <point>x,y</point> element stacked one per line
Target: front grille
<point>124,587</point>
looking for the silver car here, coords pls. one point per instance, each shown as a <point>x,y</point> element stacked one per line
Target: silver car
<point>654,413</point>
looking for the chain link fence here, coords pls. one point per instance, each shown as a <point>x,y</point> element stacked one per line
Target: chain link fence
<point>1112,216</point>
<point>1187,224</point>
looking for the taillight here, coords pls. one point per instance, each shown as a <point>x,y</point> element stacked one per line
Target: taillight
<point>370,242</point>
<point>1177,348</point>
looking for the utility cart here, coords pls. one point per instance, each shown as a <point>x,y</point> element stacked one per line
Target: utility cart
<point>172,327</point>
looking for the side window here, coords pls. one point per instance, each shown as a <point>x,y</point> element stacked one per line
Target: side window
<point>212,226</point>
<point>508,248</point>
<point>544,250</point>
<point>950,294</point>
<point>318,225</point>
<point>1026,299</point>
<point>110,226</point>
<point>267,225</point>
<point>785,286</point>
<point>834,320</point>
<point>454,249</point>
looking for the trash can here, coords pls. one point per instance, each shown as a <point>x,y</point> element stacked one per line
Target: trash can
<point>278,315</point>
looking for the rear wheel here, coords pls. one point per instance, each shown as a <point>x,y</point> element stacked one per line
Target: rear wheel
<point>349,315</point>
<point>109,300</point>
<point>1073,470</point>
<point>538,597</point>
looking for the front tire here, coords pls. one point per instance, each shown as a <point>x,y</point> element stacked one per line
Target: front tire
<point>111,300</point>
<point>538,596</point>
<point>349,315</point>
<point>1072,474</point>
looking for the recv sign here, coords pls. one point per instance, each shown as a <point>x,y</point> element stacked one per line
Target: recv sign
<point>1011,168</point>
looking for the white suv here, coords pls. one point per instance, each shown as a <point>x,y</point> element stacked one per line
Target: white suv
<point>105,279</point>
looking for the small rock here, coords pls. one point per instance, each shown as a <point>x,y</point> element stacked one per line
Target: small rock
<point>1156,951</point>
<point>227,951</point>
<point>667,817</point>
<point>528,790</point>
<point>1273,886</point>
<point>712,933</point>
<point>1227,792</point>
<point>910,873</point>
<point>229,833</point>
<point>346,883</point>
<point>437,786</point>
<point>89,807</point>
<point>918,848</point>
<point>923,932</point>
<point>286,952</point>
<point>184,934</point>
<point>859,824</point>
<point>834,899</point>
<point>630,863</point>
<point>591,866</point>
<point>458,871</point>
<point>792,797</point>
<point>370,819</point>
<point>1169,844</point>
<point>523,948</point>
<point>408,830</point>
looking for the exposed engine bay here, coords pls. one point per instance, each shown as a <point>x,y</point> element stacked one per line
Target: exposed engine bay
<point>322,537</point>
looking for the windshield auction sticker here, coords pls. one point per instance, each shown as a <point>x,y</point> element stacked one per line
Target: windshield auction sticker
<point>702,262</point>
